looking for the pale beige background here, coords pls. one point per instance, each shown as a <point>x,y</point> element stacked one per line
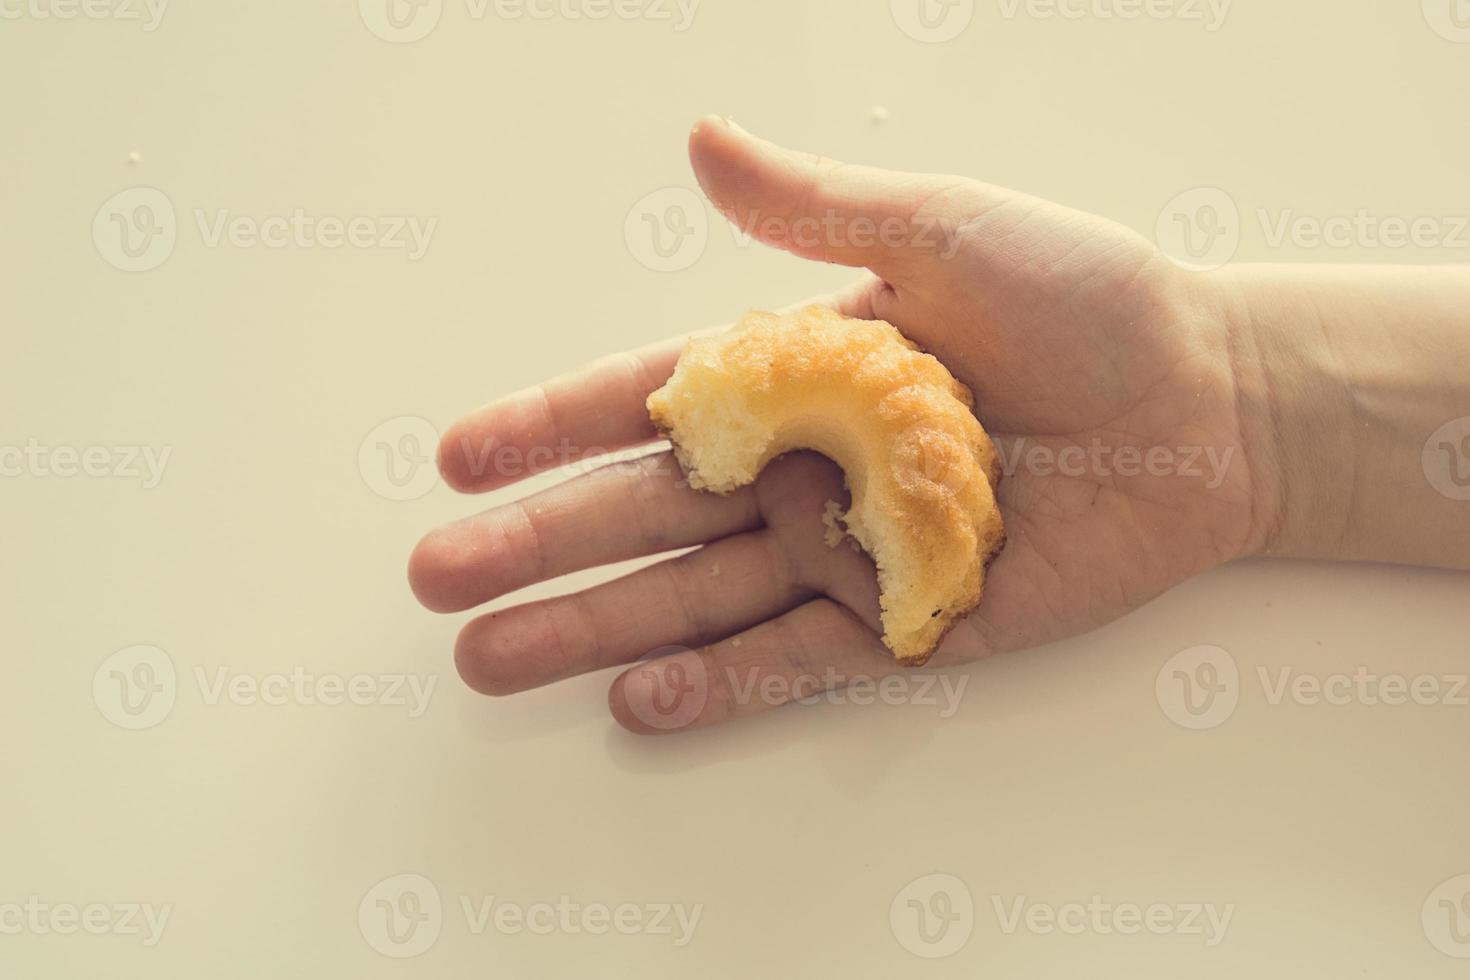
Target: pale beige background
<point>265,548</point>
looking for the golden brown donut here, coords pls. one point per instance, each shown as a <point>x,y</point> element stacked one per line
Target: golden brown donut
<point>921,470</point>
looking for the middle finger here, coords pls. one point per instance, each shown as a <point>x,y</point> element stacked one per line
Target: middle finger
<point>617,512</point>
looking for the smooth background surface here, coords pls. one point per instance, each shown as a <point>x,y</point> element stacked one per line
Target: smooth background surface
<point>265,547</point>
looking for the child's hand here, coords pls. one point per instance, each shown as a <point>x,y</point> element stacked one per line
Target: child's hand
<point>1103,373</point>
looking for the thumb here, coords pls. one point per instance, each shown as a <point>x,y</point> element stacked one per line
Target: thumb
<point>820,209</point>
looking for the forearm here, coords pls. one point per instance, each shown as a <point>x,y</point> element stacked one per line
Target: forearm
<point>1345,373</point>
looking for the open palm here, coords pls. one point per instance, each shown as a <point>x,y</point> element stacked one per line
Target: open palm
<point>1103,373</point>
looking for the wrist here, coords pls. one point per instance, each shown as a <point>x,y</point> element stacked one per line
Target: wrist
<point>1294,412</point>
<point>1347,380</point>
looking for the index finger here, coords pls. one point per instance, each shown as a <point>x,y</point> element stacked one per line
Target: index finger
<point>596,409</point>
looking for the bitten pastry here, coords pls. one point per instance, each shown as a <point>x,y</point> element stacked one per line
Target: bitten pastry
<point>921,470</point>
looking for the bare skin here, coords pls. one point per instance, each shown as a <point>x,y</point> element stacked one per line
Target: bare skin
<point>1155,423</point>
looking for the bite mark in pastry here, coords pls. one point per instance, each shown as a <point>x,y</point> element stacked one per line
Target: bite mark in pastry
<point>920,468</point>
